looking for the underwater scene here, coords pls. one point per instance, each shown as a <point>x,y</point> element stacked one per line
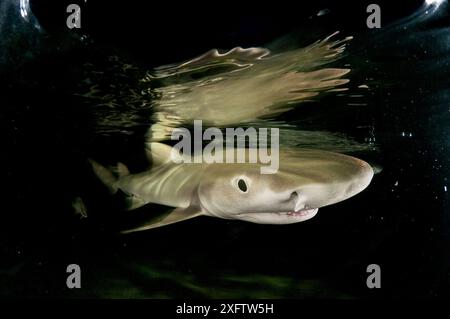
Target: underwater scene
<point>154,151</point>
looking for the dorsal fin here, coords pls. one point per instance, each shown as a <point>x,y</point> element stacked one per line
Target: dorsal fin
<point>158,153</point>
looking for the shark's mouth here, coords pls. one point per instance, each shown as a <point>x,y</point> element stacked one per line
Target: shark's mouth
<point>303,212</point>
<point>279,217</point>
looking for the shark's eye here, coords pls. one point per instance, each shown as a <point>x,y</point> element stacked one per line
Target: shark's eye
<point>242,185</point>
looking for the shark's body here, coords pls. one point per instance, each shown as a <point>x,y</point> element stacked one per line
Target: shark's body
<point>240,86</point>
<point>306,180</point>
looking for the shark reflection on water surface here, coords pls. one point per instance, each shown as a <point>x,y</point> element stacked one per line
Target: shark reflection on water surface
<point>242,85</point>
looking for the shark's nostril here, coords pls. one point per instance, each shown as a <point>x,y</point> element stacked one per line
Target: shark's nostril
<point>294,197</point>
<point>296,201</point>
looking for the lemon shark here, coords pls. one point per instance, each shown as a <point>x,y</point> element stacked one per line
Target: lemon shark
<point>305,181</point>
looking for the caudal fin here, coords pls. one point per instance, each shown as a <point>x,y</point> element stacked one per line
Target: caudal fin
<point>105,175</point>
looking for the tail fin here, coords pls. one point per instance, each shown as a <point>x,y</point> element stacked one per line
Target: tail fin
<point>105,175</point>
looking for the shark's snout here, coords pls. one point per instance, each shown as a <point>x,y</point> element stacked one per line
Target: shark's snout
<point>347,184</point>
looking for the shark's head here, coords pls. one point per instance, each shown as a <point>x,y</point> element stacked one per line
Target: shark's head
<point>306,180</point>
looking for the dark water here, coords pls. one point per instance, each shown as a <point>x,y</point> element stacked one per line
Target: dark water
<point>400,124</point>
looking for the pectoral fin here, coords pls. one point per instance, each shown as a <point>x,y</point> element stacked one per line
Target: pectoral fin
<point>177,215</point>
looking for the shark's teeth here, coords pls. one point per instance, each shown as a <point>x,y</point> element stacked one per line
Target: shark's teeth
<point>302,212</point>
<point>298,206</point>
